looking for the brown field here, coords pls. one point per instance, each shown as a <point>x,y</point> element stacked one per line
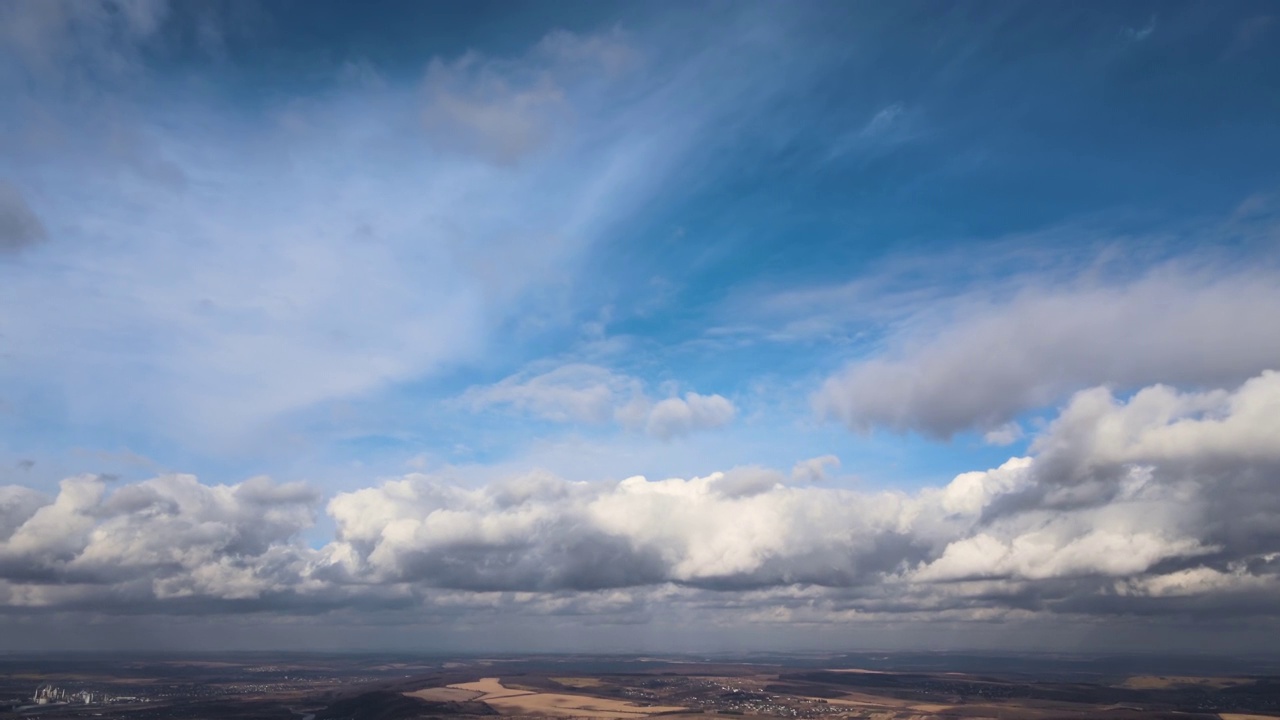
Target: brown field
<point>510,701</point>
<point>931,707</point>
<point>579,682</point>
<point>884,708</point>
<point>80,677</point>
<point>856,699</point>
<point>556,689</point>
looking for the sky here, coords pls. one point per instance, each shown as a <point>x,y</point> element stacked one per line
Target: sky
<point>639,327</point>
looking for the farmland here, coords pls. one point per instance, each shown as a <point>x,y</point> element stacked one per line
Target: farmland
<point>872,687</point>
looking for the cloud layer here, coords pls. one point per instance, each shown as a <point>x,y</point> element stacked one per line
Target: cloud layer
<point>1160,504</point>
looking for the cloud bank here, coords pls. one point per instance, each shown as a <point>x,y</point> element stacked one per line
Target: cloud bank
<point>1161,504</point>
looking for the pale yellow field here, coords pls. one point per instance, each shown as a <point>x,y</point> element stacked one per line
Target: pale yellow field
<point>573,706</point>
<point>509,701</point>
<point>445,694</point>
<point>489,689</point>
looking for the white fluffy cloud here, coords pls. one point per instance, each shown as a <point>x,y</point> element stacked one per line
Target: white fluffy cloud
<point>1163,502</point>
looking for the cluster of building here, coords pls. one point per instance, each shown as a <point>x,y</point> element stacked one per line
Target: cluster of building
<point>49,694</point>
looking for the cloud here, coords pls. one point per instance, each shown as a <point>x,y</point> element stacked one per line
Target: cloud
<point>19,226</point>
<point>1118,498</point>
<point>1006,434</point>
<point>471,108</point>
<point>814,469</point>
<point>163,539</point>
<point>1118,488</point>
<point>591,394</point>
<point>64,40</point>
<point>882,120</point>
<point>674,417</point>
<point>999,359</point>
<point>888,128</point>
<point>327,251</point>
<point>503,110</point>
<point>1160,504</point>
<point>1119,502</point>
<point>1139,34</point>
<point>570,393</point>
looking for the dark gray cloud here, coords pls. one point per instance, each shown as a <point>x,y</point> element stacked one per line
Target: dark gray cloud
<point>998,360</point>
<point>19,225</point>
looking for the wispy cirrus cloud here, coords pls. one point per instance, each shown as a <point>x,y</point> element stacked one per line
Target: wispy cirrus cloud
<point>591,394</point>
<point>284,271</point>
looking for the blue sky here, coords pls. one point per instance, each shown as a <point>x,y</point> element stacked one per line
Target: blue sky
<point>858,248</point>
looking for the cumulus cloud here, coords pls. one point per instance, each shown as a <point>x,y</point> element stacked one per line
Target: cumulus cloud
<point>999,359</point>
<point>163,539</point>
<point>19,225</point>
<point>1120,501</point>
<point>583,393</point>
<point>1161,503</point>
